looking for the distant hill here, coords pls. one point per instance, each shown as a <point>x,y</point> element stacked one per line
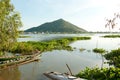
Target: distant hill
<point>59,25</point>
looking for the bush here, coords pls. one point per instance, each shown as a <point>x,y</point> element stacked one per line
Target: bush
<point>100,74</point>
<point>114,57</point>
<point>23,48</point>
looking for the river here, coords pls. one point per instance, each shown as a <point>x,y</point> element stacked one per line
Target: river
<point>56,60</point>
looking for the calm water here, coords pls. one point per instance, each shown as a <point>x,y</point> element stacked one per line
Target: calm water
<point>56,60</point>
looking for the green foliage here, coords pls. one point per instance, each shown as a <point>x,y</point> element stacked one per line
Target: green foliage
<point>29,47</point>
<point>23,48</point>
<point>114,57</point>
<point>9,24</point>
<point>1,53</point>
<point>111,36</point>
<point>56,27</point>
<point>100,74</point>
<point>5,59</point>
<point>112,73</point>
<point>99,50</point>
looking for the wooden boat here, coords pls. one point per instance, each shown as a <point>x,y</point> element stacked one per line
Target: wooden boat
<point>16,61</point>
<point>60,76</point>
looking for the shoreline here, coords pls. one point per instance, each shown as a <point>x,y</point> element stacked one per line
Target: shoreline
<point>26,59</point>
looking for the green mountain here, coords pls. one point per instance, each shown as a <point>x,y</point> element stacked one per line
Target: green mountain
<point>59,25</point>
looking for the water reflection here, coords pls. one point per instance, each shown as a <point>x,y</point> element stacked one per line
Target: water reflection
<point>44,37</point>
<point>56,60</point>
<point>11,73</point>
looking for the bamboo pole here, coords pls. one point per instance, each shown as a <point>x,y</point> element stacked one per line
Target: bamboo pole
<point>69,69</point>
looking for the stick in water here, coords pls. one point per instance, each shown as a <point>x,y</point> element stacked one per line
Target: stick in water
<point>69,69</point>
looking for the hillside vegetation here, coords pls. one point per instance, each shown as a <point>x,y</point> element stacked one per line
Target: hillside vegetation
<point>59,25</point>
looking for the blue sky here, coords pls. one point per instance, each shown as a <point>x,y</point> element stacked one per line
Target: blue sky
<point>87,14</point>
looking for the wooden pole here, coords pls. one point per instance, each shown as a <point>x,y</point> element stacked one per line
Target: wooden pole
<point>69,69</point>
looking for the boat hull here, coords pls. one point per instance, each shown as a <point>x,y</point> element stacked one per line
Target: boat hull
<point>60,76</point>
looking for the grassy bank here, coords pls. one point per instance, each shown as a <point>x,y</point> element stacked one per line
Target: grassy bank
<point>31,46</point>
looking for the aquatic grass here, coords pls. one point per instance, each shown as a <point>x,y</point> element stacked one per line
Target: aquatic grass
<point>111,36</point>
<point>30,46</point>
<point>99,50</point>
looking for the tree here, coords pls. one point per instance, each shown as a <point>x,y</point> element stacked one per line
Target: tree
<point>111,23</point>
<point>9,24</point>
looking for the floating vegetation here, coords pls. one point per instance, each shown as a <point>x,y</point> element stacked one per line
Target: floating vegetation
<point>82,49</point>
<point>111,36</point>
<point>99,50</point>
<point>30,46</point>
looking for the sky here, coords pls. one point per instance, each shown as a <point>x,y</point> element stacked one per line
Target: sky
<point>90,15</point>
